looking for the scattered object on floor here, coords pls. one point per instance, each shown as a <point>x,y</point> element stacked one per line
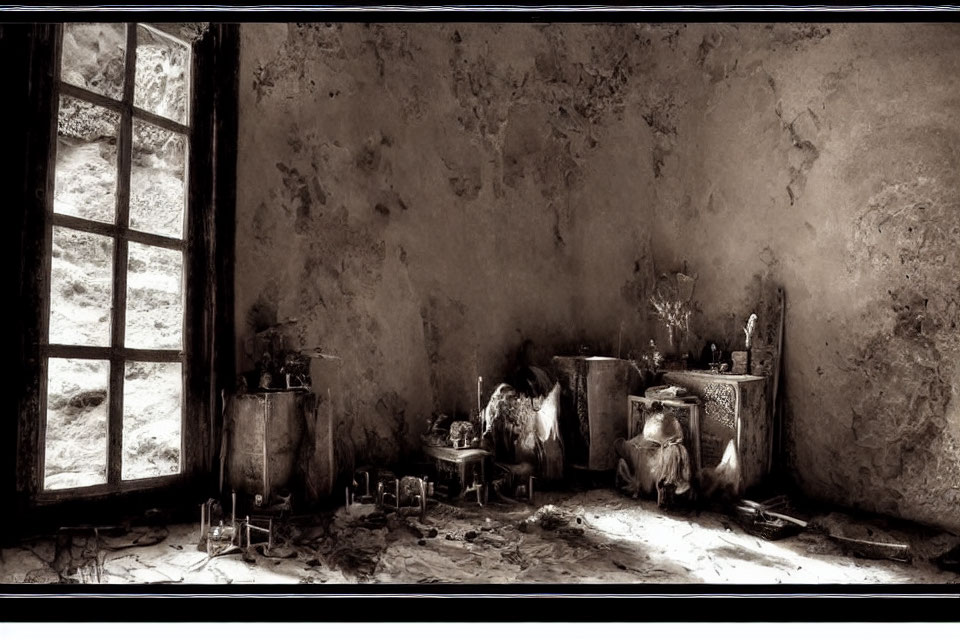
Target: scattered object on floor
<point>593,414</point>
<point>221,539</point>
<point>460,471</point>
<point>733,409</point>
<point>656,460</point>
<point>210,512</point>
<point>361,487</point>
<point>256,526</point>
<point>864,538</point>
<point>407,492</point>
<point>616,541</point>
<point>684,407</point>
<point>874,549</point>
<point>767,519</point>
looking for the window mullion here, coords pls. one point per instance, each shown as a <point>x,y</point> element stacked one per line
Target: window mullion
<point>117,364</point>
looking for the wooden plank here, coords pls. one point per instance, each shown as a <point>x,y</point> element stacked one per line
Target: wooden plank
<point>30,101</point>
<point>774,415</point>
<point>110,353</point>
<point>197,331</point>
<point>45,277</point>
<point>124,161</point>
<point>113,231</point>
<point>80,93</point>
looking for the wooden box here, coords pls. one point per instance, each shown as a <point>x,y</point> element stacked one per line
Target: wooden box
<point>732,407</point>
<point>687,411</point>
<point>593,414</point>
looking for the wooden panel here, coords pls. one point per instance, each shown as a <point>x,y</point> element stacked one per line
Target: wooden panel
<point>264,440</point>
<point>594,408</point>
<point>316,458</point>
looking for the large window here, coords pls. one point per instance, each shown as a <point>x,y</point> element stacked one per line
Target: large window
<point>113,359</point>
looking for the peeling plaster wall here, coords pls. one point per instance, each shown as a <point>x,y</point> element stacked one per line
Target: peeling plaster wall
<point>825,158</point>
<point>424,198</point>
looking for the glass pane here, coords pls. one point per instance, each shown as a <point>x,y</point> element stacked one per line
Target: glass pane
<point>81,288</point>
<point>76,437</point>
<point>154,297</point>
<point>157,180</point>
<point>152,397</point>
<point>86,174</point>
<point>93,57</point>
<point>163,73</point>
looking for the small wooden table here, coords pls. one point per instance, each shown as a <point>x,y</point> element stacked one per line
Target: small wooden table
<point>469,465</point>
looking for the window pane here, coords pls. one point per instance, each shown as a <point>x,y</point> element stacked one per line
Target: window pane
<point>86,174</point>
<point>76,437</point>
<point>152,397</point>
<point>81,288</point>
<point>93,57</point>
<point>163,72</point>
<point>154,297</point>
<point>157,179</point>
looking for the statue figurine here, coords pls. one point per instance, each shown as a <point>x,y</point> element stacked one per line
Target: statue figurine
<point>656,459</point>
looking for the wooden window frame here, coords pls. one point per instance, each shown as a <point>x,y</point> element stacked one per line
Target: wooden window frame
<point>209,228</point>
<point>120,232</point>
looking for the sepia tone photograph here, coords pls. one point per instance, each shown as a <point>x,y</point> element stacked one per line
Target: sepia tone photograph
<point>527,299</point>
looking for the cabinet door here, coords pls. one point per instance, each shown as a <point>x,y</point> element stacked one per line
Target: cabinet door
<point>264,440</point>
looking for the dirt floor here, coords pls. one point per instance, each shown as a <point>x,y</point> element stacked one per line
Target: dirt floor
<point>597,536</point>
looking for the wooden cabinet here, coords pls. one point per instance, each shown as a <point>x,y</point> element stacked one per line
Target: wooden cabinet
<point>266,430</point>
<point>732,408</point>
<point>593,412</point>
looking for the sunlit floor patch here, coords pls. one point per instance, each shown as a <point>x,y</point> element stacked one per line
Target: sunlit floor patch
<point>598,536</point>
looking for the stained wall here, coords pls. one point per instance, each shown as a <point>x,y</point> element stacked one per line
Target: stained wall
<point>824,159</point>
<point>424,198</point>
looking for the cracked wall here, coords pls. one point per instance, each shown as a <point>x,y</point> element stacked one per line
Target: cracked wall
<point>424,198</point>
<point>824,158</point>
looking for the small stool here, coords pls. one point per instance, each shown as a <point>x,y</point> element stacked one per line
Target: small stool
<point>469,466</point>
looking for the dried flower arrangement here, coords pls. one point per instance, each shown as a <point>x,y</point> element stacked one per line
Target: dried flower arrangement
<point>671,304</point>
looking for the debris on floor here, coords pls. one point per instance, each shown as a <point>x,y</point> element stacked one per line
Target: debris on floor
<point>869,539</point>
<point>596,536</point>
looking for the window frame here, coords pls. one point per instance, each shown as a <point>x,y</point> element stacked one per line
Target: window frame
<point>209,337</point>
<point>116,353</point>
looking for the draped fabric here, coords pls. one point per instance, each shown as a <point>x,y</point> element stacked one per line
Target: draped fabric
<point>524,430</point>
<point>656,460</point>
